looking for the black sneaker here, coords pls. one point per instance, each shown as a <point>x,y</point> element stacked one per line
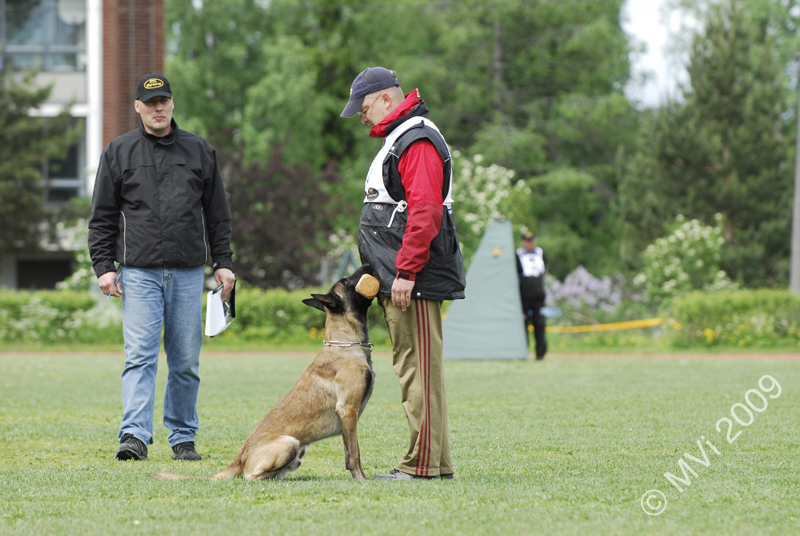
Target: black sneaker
<point>185,451</point>
<point>450,476</point>
<point>396,474</point>
<point>131,448</point>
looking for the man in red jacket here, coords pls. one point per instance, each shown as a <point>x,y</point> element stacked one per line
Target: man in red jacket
<point>407,234</point>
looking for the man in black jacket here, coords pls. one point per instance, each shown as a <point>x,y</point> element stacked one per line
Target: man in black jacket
<point>158,207</point>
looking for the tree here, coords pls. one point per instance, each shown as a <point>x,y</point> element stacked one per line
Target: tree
<point>26,144</point>
<point>532,86</point>
<point>566,207</point>
<point>538,88</point>
<point>723,150</point>
<point>282,216</point>
<point>780,18</point>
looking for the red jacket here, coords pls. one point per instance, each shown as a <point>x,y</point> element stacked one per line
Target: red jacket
<point>421,171</point>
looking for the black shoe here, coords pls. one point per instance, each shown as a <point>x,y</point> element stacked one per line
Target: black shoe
<point>451,476</point>
<point>396,474</point>
<point>131,448</point>
<point>185,451</point>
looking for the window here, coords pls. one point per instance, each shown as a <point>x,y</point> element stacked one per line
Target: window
<point>48,34</point>
<point>63,178</point>
<point>42,273</point>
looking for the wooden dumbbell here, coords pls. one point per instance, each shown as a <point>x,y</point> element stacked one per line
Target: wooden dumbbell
<point>368,286</point>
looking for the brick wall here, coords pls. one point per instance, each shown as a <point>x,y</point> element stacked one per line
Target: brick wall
<point>133,45</point>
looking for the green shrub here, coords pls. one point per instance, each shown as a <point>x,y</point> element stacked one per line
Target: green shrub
<point>279,316</point>
<point>59,316</point>
<point>762,318</point>
<point>273,316</point>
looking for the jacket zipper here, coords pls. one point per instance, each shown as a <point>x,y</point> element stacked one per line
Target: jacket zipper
<point>124,238</point>
<point>205,230</point>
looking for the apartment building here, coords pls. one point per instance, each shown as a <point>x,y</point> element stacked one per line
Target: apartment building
<point>92,52</point>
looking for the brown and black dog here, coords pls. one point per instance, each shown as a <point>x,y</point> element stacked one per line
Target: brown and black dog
<point>328,398</point>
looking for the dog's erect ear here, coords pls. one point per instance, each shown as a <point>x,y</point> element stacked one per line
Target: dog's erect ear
<point>320,301</point>
<point>314,303</point>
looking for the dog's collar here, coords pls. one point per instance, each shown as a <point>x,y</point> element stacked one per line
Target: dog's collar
<point>367,345</point>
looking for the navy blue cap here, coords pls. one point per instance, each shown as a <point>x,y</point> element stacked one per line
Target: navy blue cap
<point>151,86</point>
<point>368,81</point>
<point>528,236</point>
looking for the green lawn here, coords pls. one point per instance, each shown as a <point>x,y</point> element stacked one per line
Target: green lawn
<point>563,446</point>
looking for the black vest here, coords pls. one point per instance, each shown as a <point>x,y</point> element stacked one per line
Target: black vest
<point>443,276</point>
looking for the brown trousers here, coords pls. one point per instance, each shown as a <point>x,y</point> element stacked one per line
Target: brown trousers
<point>417,358</point>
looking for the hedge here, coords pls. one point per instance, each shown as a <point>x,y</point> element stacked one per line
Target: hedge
<point>280,316</point>
<point>274,316</point>
<point>763,318</point>
<point>745,319</point>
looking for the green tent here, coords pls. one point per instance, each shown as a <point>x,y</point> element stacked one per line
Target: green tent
<point>489,324</point>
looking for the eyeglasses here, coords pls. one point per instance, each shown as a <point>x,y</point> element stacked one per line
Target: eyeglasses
<point>360,113</point>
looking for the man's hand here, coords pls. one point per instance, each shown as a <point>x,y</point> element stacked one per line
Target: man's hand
<point>401,293</point>
<point>107,286</point>
<point>225,277</point>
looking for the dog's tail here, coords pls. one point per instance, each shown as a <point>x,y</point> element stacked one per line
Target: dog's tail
<point>232,471</point>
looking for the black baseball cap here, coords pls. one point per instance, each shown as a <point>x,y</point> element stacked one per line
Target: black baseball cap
<point>528,235</point>
<point>153,85</point>
<point>368,81</point>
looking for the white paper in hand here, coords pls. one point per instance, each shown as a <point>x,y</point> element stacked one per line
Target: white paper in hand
<point>218,313</point>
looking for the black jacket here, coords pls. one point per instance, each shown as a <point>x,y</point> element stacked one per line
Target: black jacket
<point>443,277</point>
<point>159,201</point>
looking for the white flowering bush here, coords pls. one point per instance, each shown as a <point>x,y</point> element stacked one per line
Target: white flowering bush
<point>480,194</point>
<point>76,239</point>
<point>61,316</point>
<point>685,260</point>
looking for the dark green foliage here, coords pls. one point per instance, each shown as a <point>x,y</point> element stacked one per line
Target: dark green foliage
<point>26,143</point>
<point>282,215</point>
<point>723,150</point>
<point>533,86</point>
<point>567,208</point>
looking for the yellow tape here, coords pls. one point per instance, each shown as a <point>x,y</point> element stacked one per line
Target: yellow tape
<point>616,326</point>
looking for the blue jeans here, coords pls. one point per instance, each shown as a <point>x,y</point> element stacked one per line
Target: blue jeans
<point>152,298</point>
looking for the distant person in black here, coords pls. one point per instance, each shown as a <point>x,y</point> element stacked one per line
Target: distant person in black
<point>531,267</point>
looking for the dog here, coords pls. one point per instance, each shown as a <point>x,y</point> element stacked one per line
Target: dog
<point>328,398</point>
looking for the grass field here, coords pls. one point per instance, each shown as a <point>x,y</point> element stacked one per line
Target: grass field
<point>564,446</point>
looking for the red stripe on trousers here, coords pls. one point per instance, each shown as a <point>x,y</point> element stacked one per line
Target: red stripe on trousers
<point>428,382</point>
<point>421,447</point>
<point>423,452</point>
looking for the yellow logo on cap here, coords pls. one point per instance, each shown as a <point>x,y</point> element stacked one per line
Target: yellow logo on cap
<point>153,83</point>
